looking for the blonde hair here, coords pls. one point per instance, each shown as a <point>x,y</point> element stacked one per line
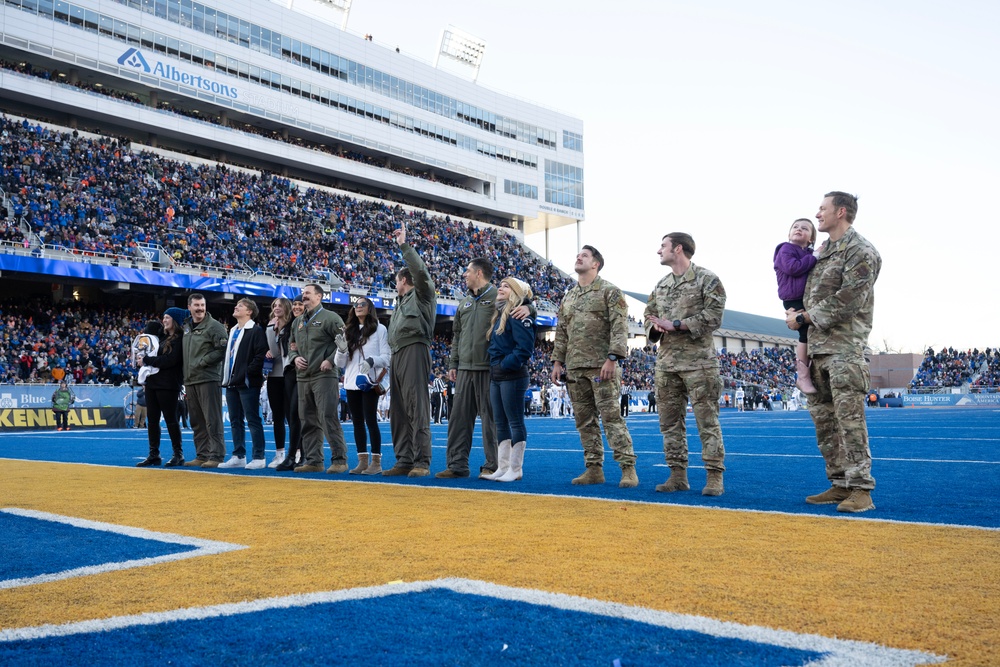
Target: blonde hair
<point>520,291</point>
<point>286,307</point>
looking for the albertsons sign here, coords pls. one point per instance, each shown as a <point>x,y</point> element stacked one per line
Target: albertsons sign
<point>133,58</point>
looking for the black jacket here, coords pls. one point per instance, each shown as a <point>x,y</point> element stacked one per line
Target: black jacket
<point>171,365</point>
<point>248,369</point>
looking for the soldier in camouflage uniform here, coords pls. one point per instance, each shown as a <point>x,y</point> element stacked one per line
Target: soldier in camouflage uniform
<point>682,313</point>
<point>590,340</point>
<point>839,303</point>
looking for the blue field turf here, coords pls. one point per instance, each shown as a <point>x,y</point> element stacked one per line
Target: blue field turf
<point>435,627</point>
<point>930,465</point>
<point>56,547</point>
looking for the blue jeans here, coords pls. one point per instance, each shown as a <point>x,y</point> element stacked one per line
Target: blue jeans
<point>507,398</point>
<point>244,403</point>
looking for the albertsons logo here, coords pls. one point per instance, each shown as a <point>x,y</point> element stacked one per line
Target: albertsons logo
<point>134,58</point>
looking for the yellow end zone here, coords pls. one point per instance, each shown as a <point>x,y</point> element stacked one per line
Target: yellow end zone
<point>928,588</point>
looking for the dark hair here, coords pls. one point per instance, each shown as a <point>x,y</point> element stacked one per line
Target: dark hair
<point>844,200</point>
<point>484,265</point>
<point>173,337</point>
<point>684,241</point>
<point>357,334</point>
<point>319,290</point>
<point>195,296</point>
<point>405,274</point>
<point>597,255</point>
<point>251,306</point>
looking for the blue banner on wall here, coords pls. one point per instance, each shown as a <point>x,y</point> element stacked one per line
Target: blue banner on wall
<point>57,268</point>
<point>928,400</point>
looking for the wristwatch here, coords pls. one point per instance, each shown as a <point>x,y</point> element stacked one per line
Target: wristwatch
<point>613,357</point>
<point>800,318</point>
<point>677,325</point>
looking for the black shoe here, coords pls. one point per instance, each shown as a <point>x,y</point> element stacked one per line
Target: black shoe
<point>286,465</point>
<point>150,461</point>
<point>177,460</point>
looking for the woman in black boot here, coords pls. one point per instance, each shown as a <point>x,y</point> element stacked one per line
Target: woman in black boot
<point>163,388</point>
<point>283,336</point>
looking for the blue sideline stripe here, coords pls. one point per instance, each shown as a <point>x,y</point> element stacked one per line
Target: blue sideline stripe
<point>50,547</point>
<point>920,457</point>
<point>451,621</point>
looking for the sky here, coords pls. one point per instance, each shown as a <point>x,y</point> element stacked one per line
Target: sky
<point>728,120</point>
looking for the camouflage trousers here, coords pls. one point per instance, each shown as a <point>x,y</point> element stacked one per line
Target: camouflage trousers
<point>838,411</point>
<point>592,399</point>
<point>672,391</point>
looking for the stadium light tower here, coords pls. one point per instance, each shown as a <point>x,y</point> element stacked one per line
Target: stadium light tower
<point>329,11</point>
<point>460,47</point>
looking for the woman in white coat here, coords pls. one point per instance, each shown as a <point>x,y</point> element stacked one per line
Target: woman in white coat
<point>363,352</point>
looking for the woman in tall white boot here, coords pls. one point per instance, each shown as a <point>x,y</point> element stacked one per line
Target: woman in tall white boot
<point>511,343</point>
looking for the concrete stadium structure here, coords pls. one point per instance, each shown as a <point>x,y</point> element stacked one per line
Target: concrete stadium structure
<point>264,87</point>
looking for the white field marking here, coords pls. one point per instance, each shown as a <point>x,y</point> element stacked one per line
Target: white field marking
<point>205,548</point>
<point>874,458</point>
<point>761,455</point>
<point>75,435</point>
<point>836,652</point>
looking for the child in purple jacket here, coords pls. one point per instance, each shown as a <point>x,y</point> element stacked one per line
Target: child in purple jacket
<point>792,263</point>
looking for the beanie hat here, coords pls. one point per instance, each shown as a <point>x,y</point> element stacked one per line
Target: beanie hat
<point>522,290</point>
<point>178,315</point>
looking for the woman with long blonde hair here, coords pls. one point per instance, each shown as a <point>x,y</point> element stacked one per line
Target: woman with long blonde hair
<point>512,343</point>
<point>279,318</point>
<point>284,338</point>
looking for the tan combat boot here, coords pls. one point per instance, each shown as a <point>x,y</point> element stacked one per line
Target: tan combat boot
<point>713,485</point>
<point>336,468</point>
<point>362,465</point>
<point>678,481</point>
<point>832,496</point>
<point>592,475</point>
<point>860,500</point>
<point>629,478</point>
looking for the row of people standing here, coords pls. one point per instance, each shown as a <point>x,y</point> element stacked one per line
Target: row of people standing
<point>682,312</point>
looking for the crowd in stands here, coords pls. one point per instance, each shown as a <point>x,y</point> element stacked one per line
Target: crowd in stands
<point>98,196</point>
<point>954,368</point>
<point>91,344</point>
<point>41,342</point>
<point>216,119</point>
<point>767,367</point>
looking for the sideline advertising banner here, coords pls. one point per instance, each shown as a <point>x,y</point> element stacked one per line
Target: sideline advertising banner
<point>927,400</point>
<point>24,419</point>
<point>29,406</point>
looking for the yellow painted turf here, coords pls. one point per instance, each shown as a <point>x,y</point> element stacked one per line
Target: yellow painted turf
<point>934,589</point>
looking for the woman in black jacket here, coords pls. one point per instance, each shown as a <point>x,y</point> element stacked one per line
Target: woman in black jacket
<point>163,388</point>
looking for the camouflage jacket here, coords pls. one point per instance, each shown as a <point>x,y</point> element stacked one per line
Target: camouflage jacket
<point>840,296</point>
<point>593,323</point>
<point>696,298</point>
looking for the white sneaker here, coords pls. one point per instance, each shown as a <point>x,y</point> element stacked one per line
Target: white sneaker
<point>235,462</point>
<point>256,464</point>
<point>278,458</point>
